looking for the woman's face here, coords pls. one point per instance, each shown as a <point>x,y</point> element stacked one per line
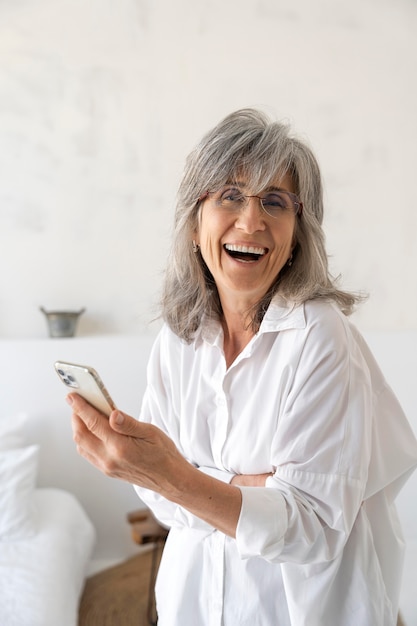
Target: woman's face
<point>245,249</point>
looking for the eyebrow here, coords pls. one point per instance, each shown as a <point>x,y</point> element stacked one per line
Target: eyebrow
<point>238,183</point>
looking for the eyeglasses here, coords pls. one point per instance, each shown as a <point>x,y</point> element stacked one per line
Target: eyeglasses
<point>275,203</point>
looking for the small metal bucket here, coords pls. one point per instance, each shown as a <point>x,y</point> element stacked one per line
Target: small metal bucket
<point>62,323</point>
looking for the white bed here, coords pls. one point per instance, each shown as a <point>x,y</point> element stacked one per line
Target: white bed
<point>46,540</point>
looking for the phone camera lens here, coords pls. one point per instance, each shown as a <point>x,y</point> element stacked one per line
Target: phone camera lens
<point>61,372</point>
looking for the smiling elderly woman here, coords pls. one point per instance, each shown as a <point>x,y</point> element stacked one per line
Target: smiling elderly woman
<point>268,441</point>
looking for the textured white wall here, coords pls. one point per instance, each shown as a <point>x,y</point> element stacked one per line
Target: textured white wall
<point>101,101</point>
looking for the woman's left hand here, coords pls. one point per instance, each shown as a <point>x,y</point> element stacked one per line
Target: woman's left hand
<point>250,480</point>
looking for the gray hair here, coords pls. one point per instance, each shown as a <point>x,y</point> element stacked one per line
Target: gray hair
<point>248,141</point>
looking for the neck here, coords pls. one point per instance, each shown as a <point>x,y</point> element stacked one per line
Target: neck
<point>237,329</point>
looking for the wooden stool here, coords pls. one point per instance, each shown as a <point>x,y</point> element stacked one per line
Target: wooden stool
<point>146,529</point>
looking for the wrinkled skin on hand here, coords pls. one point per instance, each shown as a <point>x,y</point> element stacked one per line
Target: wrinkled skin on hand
<point>122,447</point>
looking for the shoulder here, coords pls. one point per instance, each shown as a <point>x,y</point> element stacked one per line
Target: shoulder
<point>328,327</point>
<point>312,316</point>
<point>327,348</point>
<point>325,315</point>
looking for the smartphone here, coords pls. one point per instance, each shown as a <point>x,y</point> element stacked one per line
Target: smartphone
<point>85,381</point>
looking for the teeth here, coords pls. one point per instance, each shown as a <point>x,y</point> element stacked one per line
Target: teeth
<point>244,249</point>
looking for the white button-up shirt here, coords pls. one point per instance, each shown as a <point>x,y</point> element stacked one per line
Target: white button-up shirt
<point>320,544</point>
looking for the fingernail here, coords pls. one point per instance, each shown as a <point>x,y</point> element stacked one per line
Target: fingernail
<point>119,418</point>
<point>69,399</point>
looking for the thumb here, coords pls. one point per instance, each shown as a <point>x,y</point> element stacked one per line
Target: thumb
<point>124,424</point>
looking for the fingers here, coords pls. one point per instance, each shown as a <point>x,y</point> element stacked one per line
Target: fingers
<point>125,424</point>
<point>98,424</point>
<point>84,439</point>
<point>104,454</point>
<point>122,447</point>
<point>103,444</point>
<point>95,422</point>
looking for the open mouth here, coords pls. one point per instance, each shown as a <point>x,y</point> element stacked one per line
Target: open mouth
<point>245,253</point>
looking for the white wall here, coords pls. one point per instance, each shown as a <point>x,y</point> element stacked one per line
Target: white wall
<point>100,102</point>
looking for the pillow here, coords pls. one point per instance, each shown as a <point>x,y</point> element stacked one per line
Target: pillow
<point>12,431</point>
<point>18,474</point>
<point>42,577</point>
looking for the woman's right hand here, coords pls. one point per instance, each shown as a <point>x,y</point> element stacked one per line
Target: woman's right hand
<point>141,454</point>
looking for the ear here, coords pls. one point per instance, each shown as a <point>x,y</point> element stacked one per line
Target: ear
<point>196,237</point>
<point>294,242</point>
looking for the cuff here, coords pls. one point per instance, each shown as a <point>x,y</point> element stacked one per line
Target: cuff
<point>262,523</point>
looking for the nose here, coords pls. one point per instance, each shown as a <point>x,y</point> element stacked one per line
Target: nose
<point>251,217</point>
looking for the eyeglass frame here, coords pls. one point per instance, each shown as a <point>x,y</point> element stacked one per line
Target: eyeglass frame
<point>298,208</point>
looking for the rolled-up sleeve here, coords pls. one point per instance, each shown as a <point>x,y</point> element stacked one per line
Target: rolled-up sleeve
<point>303,519</point>
<point>262,523</point>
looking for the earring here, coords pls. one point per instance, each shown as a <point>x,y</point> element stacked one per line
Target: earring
<point>196,246</point>
<point>289,262</point>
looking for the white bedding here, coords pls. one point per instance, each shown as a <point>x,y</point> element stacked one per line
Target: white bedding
<point>42,576</point>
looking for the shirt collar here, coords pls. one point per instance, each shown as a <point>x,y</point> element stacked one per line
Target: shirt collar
<point>280,315</point>
<point>210,331</point>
